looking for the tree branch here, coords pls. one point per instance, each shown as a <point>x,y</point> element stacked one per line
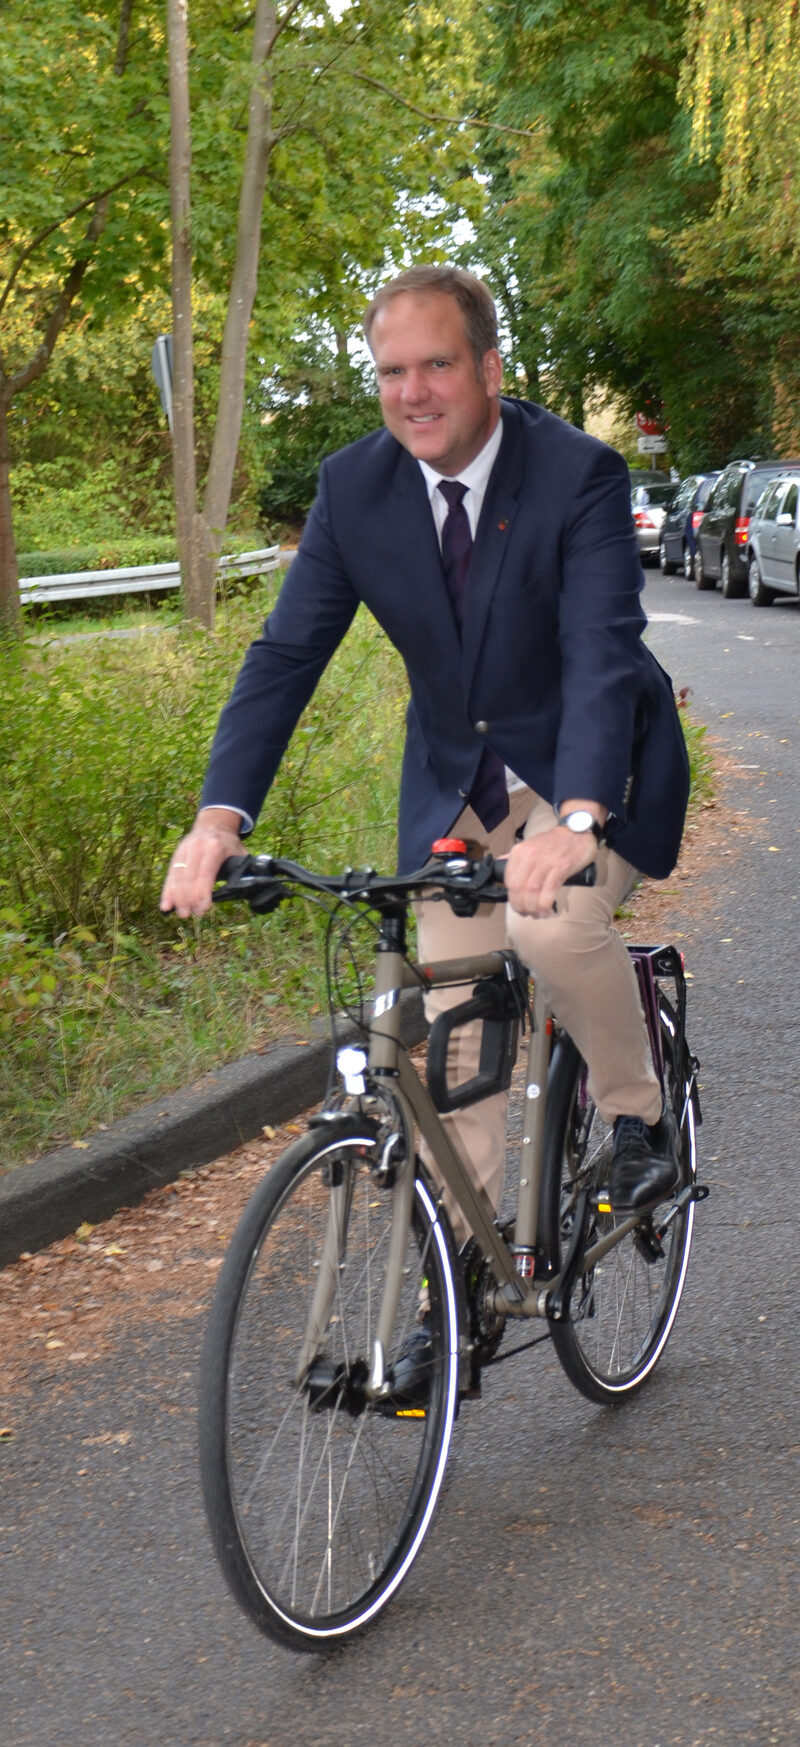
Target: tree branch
<point>524,133</point>
<point>281,23</point>
<point>91,200</point>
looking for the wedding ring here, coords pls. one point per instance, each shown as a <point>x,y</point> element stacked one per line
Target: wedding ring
<point>180,864</point>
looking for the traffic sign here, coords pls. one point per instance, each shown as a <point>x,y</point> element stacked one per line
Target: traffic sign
<point>648,426</point>
<point>652,445</point>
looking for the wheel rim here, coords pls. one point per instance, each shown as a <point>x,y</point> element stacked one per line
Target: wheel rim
<point>332,1494</point>
<point>754,581</point>
<point>622,1313</point>
<point>688,565</point>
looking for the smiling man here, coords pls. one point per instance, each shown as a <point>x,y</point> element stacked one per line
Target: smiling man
<point>494,544</point>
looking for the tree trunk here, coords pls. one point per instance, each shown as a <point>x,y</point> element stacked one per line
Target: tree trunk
<point>10,613</point>
<point>196,584</point>
<point>243,285</point>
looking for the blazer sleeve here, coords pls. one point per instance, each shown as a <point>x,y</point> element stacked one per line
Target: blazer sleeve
<point>601,620</point>
<point>312,614</point>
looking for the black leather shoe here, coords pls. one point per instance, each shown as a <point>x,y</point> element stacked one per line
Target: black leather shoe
<point>412,1370</point>
<point>644,1163</point>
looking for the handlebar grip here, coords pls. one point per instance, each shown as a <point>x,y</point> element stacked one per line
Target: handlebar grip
<point>233,867</point>
<point>587,876</point>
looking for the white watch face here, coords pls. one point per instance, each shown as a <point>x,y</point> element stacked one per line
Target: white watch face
<point>580,820</point>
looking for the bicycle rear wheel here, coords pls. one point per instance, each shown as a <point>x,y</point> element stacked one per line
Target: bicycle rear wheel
<point>319,1498</point>
<point>622,1311</point>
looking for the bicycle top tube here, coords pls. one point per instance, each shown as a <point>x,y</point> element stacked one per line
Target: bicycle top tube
<point>264,881</point>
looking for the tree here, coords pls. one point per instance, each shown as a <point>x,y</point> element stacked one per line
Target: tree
<point>85,135</point>
<point>741,91</point>
<point>300,63</point>
<point>74,170</point>
<point>586,239</point>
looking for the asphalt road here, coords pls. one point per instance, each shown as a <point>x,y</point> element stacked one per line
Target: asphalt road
<point>625,1576</point>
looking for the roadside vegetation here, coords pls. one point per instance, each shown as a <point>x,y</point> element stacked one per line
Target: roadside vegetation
<point>104,1004</point>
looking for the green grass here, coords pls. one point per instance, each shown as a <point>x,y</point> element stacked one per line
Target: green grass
<point>104,1004</point>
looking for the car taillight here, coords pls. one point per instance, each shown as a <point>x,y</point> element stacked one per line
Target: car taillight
<point>697,517</point>
<point>643,520</point>
<point>740,531</point>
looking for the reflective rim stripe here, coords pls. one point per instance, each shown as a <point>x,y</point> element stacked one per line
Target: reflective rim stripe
<point>450,1411</point>
<point>633,1382</point>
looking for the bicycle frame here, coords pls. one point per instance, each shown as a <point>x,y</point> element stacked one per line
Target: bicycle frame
<point>517,1294</point>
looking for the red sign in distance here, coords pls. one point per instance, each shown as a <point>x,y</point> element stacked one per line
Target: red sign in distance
<point>648,427</point>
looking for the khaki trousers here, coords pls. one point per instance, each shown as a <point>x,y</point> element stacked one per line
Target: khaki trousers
<point>582,964</point>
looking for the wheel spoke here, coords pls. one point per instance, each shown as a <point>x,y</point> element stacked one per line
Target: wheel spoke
<point>622,1313</point>
<point>319,1498</point>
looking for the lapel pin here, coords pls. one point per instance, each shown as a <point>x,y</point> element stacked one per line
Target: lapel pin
<point>502,526</point>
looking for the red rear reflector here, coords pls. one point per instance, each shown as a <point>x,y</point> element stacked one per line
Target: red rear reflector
<point>449,846</point>
<point>697,517</point>
<point>740,531</point>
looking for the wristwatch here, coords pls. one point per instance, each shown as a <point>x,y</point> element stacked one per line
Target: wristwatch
<point>582,820</point>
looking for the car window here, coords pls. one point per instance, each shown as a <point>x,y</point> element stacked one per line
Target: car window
<point>733,486</point>
<point>659,494</point>
<point>725,492</point>
<point>766,507</point>
<point>685,494</point>
<point>754,485</point>
<point>789,505</point>
<point>705,489</point>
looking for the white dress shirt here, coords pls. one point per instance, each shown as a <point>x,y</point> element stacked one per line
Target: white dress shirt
<point>475,477</point>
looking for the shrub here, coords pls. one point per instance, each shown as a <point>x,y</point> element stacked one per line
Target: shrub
<point>296,439</point>
<point>122,553</point>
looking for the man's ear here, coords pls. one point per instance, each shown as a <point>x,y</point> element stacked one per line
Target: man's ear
<point>492,372</point>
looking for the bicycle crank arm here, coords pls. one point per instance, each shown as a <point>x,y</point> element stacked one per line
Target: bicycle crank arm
<point>692,1192</point>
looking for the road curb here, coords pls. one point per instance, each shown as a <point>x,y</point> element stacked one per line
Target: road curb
<point>92,1179</point>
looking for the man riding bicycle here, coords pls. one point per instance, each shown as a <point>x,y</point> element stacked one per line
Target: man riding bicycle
<point>494,544</point>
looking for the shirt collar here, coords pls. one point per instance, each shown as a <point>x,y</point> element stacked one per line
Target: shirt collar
<point>476,475</point>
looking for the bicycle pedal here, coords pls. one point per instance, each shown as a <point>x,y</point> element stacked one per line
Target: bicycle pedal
<point>648,1244</point>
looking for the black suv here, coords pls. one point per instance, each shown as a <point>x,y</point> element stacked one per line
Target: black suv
<point>722,534</point>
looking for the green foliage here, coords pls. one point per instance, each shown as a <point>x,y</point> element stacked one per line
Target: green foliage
<point>312,409</point>
<point>103,1003</point>
<point>114,554</point>
<point>599,232</point>
<point>103,749</point>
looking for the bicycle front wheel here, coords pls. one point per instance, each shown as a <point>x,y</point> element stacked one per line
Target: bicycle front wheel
<point>622,1309</point>
<point>319,1497</point>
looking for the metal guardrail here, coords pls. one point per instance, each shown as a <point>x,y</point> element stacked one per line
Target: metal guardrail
<point>138,579</point>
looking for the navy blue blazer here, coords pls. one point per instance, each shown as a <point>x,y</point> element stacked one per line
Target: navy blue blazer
<point>552,664</point>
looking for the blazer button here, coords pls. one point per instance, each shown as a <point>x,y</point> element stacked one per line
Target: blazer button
<point>481,727</point>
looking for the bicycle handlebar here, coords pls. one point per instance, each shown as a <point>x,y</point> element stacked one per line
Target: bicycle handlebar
<point>263,881</point>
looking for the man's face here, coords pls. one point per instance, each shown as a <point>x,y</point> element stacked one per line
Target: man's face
<point>432,399</point>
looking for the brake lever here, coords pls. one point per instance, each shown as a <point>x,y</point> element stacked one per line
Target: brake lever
<point>246,877</point>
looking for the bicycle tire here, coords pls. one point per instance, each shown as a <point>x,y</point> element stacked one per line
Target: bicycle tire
<point>620,1314</point>
<point>318,1500</point>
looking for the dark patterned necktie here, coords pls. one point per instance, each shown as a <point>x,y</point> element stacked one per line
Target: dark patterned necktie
<point>488,796</point>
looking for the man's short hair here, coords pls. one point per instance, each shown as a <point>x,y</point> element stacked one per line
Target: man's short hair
<point>471,295</point>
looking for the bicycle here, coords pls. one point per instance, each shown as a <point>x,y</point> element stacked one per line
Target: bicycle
<point>320,1474</point>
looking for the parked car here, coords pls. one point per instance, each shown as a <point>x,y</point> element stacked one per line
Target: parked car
<point>684,511</point>
<point>648,503</point>
<point>647,476</point>
<point>722,533</point>
<point>773,542</point>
